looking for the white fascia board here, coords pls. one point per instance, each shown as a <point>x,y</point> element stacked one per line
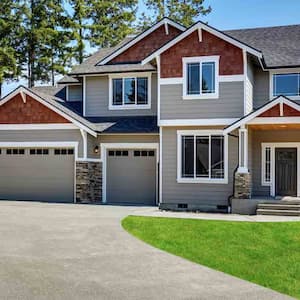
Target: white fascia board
<point>274,120</point>
<point>209,29</point>
<point>163,22</point>
<point>38,98</point>
<point>196,122</point>
<point>266,107</point>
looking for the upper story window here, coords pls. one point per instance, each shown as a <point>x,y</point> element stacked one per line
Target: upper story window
<point>200,77</point>
<point>286,84</point>
<point>130,91</point>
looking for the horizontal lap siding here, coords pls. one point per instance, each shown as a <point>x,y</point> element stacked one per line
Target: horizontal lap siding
<point>197,193</point>
<point>267,136</point>
<point>229,105</point>
<point>42,136</point>
<point>97,99</point>
<point>261,88</point>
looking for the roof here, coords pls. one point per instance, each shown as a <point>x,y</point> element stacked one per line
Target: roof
<point>132,124</point>
<point>280,45</point>
<point>89,65</point>
<point>68,79</point>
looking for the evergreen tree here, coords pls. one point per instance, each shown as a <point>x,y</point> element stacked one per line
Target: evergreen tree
<point>185,12</point>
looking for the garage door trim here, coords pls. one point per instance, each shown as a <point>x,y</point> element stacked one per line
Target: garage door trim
<point>106,146</point>
<point>73,145</point>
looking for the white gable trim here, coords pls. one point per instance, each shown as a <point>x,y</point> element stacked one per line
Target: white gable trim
<point>164,22</point>
<point>22,90</point>
<point>209,29</point>
<point>249,118</point>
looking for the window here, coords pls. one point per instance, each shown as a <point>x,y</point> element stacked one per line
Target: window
<point>39,151</point>
<point>144,153</point>
<point>201,157</point>
<point>266,166</point>
<point>286,84</point>
<point>200,77</point>
<point>130,92</point>
<point>63,151</point>
<point>15,151</point>
<point>118,153</point>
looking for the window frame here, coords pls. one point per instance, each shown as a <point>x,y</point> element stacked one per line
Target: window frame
<point>205,133</point>
<point>264,181</point>
<point>281,72</point>
<point>200,59</point>
<point>129,106</point>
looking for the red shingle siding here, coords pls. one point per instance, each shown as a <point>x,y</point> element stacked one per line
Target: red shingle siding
<point>15,111</point>
<point>147,45</point>
<point>290,112</point>
<point>272,112</point>
<point>231,57</point>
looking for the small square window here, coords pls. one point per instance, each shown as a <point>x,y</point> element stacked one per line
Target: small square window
<point>111,153</point>
<point>8,151</point>
<point>144,153</point>
<point>70,151</point>
<point>151,153</point>
<point>39,151</point>
<point>118,153</point>
<point>125,153</point>
<point>63,151</point>
<point>56,151</point>
<point>32,151</point>
<point>137,153</point>
<point>45,151</point>
<point>15,151</point>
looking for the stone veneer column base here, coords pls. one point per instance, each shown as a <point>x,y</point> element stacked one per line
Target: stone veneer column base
<point>242,185</point>
<point>88,182</point>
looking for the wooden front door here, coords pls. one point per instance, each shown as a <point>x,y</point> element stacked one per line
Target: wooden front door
<point>286,171</point>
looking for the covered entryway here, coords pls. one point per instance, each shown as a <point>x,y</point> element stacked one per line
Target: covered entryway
<point>39,174</point>
<point>286,171</point>
<point>131,176</point>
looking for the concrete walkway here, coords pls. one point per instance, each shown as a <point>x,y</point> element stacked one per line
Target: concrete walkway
<point>57,251</point>
<point>155,212</point>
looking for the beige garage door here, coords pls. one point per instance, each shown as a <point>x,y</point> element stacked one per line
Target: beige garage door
<point>40,174</point>
<point>131,176</point>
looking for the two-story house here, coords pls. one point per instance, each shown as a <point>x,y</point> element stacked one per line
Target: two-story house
<point>184,118</point>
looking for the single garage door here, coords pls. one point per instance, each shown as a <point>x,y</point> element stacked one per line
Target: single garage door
<point>40,174</point>
<point>131,176</point>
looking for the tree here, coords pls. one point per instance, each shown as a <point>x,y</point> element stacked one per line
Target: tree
<point>9,25</point>
<point>100,23</point>
<point>185,12</point>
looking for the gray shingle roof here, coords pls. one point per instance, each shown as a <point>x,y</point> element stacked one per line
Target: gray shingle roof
<point>68,79</point>
<point>89,65</point>
<point>280,45</point>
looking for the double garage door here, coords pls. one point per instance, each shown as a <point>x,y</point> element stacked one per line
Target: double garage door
<point>131,176</point>
<point>40,174</point>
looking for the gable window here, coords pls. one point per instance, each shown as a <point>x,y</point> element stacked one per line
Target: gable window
<point>200,77</point>
<point>286,85</point>
<point>130,92</point>
<point>201,157</point>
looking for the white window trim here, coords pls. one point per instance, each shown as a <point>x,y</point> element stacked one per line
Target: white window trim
<point>129,106</point>
<point>200,59</point>
<point>282,71</point>
<point>273,146</point>
<point>209,133</point>
<point>263,165</point>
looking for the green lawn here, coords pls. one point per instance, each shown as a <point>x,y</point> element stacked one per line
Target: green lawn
<point>265,253</point>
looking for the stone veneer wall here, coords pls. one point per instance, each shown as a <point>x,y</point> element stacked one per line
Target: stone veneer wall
<point>242,185</point>
<point>88,182</point>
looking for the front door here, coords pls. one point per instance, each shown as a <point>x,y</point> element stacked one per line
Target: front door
<point>286,171</point>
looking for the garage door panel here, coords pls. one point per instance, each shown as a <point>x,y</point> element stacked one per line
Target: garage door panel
<point>37,177</point>
<point>131,179</point>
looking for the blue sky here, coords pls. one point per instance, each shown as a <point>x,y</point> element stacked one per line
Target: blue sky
<point>232,14</point>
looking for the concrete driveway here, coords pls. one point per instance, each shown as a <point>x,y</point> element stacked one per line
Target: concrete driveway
<point>64,251</point>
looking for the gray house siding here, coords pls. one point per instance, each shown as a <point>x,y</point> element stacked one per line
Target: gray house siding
<point>70,135</point>
<point>97,98</point>
<point>261,90</point>
<point>74,93</point>
<point>268,136</point>
<point>200,194</point>
<point>229,105</point>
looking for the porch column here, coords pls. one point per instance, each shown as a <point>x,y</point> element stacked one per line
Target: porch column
<point>243,150</point>
<point>242,178</point>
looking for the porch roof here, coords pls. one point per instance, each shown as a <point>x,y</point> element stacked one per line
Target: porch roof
<point>280,110</point>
